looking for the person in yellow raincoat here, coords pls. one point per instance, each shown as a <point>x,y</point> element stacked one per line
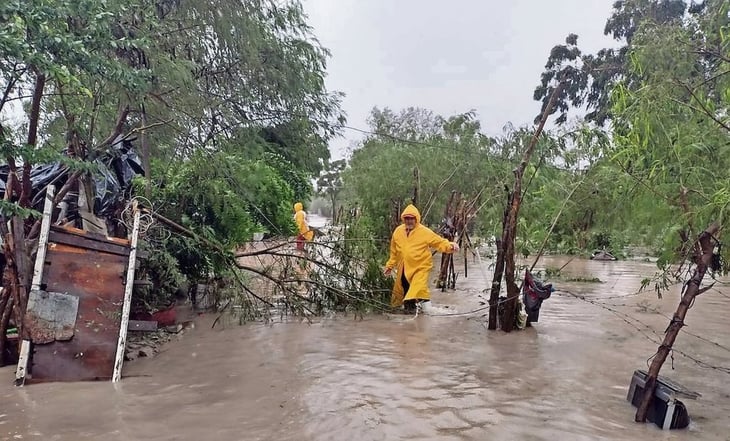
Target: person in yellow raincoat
<point>305,233</point>
<point>410,255</point>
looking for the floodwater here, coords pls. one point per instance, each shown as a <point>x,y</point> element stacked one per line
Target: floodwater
<point>402,378</point>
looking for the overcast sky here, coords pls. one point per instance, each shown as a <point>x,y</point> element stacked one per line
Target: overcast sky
<point>447,56</point>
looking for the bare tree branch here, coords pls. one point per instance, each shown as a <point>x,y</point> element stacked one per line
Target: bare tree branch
<point>10,85</point>
<point>432,197</point>
<point>121,119</point>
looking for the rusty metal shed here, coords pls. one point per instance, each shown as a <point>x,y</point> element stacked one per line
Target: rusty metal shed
<point>78,308</point>
<point>92,268</point>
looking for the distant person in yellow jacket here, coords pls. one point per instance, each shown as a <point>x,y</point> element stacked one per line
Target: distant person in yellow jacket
<point>305,234</point>
<point>410,255</point>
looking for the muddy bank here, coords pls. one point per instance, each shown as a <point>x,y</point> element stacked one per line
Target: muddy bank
<point>401,378</point>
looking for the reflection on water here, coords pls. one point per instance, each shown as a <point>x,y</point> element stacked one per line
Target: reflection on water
<point>383,378</point>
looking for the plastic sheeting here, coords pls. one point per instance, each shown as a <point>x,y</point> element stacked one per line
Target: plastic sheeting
<point>112,178</point>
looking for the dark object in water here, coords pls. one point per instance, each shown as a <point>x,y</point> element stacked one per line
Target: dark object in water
<point>666,411</point>
<point>602,255</point>
<point>534,291</point>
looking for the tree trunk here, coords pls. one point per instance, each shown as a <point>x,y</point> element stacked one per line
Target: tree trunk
<point>496,285</point>
<point>498,270</point>
<point>21,272</point>
<point>6,309</point>
<point>510,305</point>
<point>18,270</point>
<point>10,281</point>
<point>691,290</point>
<point>510,229</point>
<point>34,118</point>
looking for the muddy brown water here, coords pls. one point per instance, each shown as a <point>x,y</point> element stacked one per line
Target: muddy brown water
<point>397,378</point>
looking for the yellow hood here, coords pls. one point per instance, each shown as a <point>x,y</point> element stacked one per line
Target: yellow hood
<point>298,207</point>
<point>413,211</point>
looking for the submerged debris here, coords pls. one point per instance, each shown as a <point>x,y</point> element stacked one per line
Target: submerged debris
<point>602,255</point>
<point>148,344</point>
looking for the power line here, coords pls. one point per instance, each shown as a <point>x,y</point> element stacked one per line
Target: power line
<point>626,318</point>
<point>414,142</point>
<point>699,337</point>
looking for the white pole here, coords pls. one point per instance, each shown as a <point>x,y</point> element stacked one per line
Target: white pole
<point>122,343</point>
<point>40,261</point>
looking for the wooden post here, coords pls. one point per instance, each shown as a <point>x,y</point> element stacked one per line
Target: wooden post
<point>691,290</point>
<point>463,244</point>
<point>446,260</point>
<point>451,280</point>
<point>122,342</point>
<point>416,185</point>
<point>40,262</point>
<point>446,257</point>
<point>460,227</point>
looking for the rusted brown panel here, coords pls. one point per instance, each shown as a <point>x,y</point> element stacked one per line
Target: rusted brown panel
<point>88,241</point>
<point>97,279</point>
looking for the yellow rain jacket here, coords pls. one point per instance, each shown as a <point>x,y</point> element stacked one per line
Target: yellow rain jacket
<point>300,217</point>
<point>412,253</point>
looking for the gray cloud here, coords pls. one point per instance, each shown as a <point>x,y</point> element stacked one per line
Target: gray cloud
<point>449,57</point>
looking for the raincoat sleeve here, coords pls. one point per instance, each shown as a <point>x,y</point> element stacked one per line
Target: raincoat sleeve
<point>439,243</point>
<point>394,254</point>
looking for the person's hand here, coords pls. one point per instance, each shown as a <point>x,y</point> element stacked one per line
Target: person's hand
<point>454,246</point>
<point>387,272</point>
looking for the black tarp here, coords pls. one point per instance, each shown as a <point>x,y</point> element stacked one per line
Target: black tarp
<point>111,178</point>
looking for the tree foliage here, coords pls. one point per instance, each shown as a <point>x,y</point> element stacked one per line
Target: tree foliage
<point>201,77</point>
<point>329,183</point>
<point>434,155</point>
<point>590,78</point>
<point>672,134</point>
<point>225,100</point>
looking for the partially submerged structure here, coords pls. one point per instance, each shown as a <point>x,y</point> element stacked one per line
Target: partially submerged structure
<point>77,314</point>
<point>73,320</point>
